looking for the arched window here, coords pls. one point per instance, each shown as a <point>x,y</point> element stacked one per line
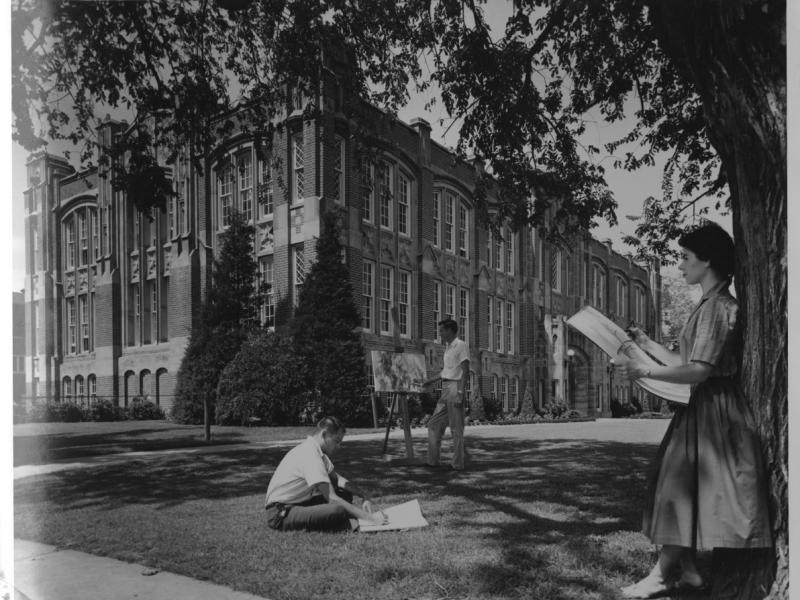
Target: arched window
<point>161,376</point>
<point>79,390</point>
<point>514,395</point>
<point>129,386</point>
<point>145,384</point>
<point>66,389</point>
<point>92,388</point>
<point>494,387</point>
<point>504,392</point>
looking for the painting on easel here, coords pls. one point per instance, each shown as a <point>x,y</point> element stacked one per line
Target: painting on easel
<point>402,372</point>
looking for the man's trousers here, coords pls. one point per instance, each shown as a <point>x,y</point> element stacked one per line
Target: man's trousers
<point>312,515</point>
<point>449,411</point>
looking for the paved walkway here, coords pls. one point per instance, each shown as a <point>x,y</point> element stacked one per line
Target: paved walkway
<point>43,572</point>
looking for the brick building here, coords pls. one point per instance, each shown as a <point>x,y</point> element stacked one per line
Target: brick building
<point>111,293</point>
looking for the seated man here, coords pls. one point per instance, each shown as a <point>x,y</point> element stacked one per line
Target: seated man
<point>306,493</point>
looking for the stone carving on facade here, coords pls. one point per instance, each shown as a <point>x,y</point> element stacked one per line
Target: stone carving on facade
<point>69,285</point>
<point>134,269</point>
<point>152,264</point>
<point>465,278</point>
<point>387,255</point>
<point>500,283</point>
<point>266,237</point>
<point>405,258</point>
<point>484,280</point>
<point>430,262</point>
<point>167,259</point>
<point>450,267</point>
<point>83,281</point>
<point>297,219</point>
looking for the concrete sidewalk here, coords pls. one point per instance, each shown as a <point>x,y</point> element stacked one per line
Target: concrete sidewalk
<point>43,572</point>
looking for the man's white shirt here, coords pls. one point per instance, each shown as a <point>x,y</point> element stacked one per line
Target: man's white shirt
<point>455,353</point>
<point>303,467</point>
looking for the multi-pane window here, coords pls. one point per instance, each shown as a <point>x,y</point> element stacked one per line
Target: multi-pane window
<point>299,271</point>
<point>404,298</point>
<point>367,189</point>
<point>386,299</point>
<point>106,230</point>
<point>266,281</point>
<point>504,392</point>
<point>599,287</point>
<point>437,307</point>
<point>183,188</point>
<point>494,387</point>
<point>509,250</point>
<point>71,333</point>
<point>498,324</point>
<point>95,236</point>
<point>137,308</point>
<point>83,315</point>
<point>246,186</point>
<point>555,269</point>
<point>449,215</point>
<point>70,243</point>
<point>490,341</point>
<point>92,381</point>
<point>404,205</point>
<point>171,204</point>
<point>336,187</point>
<point>463,314</point>
<point>266,192</point>
<point>436,217</point>
<point>79,389</point>
<point>540,254</point>
<point>83,238</point>
<point>514,393</point>
<point>498,250</point>
<point>66,389</point>
<point>622,297</point>
<point>638,305</point>
<point>462,231</point>
<point>450,302</point>
<point>386,195</point>
<point>154,313</point>
<point>225,187</point>
<point>510,327</point>
<point>489,245</point>
<point>367,294</point>
<point>298,169</point>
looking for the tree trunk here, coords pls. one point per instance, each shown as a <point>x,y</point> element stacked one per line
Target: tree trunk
<point>734,53</point>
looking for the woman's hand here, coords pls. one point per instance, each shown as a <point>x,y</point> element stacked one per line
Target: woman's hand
<point>631,370</point>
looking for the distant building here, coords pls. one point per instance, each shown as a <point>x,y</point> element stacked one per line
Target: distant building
<point>18,346</point>
<point>111,293</point>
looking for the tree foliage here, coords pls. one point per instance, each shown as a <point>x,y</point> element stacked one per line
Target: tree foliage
<point>221,329</point>
<point>325,331</point>
<point>676,306</point>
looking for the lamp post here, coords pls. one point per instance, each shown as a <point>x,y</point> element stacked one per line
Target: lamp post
<point>571,377</point>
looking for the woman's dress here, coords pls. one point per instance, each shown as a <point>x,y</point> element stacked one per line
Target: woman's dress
<point>709,489</point>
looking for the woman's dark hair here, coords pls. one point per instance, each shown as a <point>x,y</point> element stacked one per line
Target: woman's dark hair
<point>711,242</point>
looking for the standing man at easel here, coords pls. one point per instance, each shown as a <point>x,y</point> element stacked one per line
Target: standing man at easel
<point>450,408</point>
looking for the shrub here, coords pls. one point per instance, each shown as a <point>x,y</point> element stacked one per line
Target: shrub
<point>145,411</point>
<point>106,410</point>
<point>265,381</point>
<point>492,408</point>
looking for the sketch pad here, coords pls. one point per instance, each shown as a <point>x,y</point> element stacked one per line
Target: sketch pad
<point>403,516</point>
<point>614,341</point>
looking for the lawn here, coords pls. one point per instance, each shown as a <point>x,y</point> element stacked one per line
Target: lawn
<point>553,518</point>
<point>36,443</point>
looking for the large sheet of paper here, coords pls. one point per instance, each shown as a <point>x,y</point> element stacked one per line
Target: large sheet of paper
<point>615,341</point>
<point>398,371</point>
<point>402,516</point>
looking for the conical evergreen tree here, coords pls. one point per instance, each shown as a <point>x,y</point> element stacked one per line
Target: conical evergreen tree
<point>325,332</point>
<point>216,338</point>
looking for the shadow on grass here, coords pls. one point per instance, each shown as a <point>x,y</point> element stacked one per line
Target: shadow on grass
<point>533,518</point>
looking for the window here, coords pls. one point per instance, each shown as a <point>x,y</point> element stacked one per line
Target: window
<point>106,231</point>
<point>183,182</point>
<point>95,237</point>
<point>498,324</point>
<point>490,341</point>
<point>154,312</point>
<point>437,308</point>
<point>404,205</point>
<point>367,295</point>
<point>386,299</point>
<point>66,389</point>
<point>367,189</point>
<point>622,297</point>
<point>171,203</point>
<point>449,209</point>
<point>436,217</point>
<point>463,247</point>
<point>71,333</point>
<point>489,245</point>
<point>540,253</point>
<point>463,315</point>
<point>599,287</point>
<point>504,392</point>
<point>298,169</point>
<point>386,195</point>
<point>266,198</point>
<point>246,186</point>
<point>92,387</point>
<point>514,393</point>
<point>79,390</point>
<point>83,238</point>
<point>404,293</point>
<point>498,250</point>
<point>69,250</point>
<point>639,305</point>
<point>494,387</point>
<point>152,227</point>
<point>450,302</point>
<point>337,189</point>
<point>509,250</point>
<point>299,271</point>
<point>137,309</point>
<point>555,269</point>
<point>266,280</point>
<point>225,190</point>
<point>510,327</point>
<point>83,315</point>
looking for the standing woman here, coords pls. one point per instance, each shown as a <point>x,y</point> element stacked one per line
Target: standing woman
<point>709,488</point>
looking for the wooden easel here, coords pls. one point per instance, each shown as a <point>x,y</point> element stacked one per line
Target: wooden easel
<point>399,400</point>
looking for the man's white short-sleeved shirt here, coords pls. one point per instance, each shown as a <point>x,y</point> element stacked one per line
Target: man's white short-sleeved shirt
<point>303,467</point>
<point>455,353</point>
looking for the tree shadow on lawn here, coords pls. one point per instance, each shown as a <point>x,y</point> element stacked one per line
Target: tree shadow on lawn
<point>558,513</point>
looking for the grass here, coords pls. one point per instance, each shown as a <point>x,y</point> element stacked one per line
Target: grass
<point>37,443</point>
<point>545,519</point>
